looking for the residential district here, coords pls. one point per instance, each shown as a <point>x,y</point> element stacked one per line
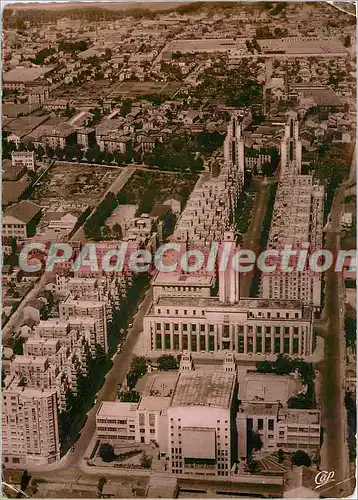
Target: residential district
<point>189,124</point>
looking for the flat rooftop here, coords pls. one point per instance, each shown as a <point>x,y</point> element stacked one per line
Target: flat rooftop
<point>25,75</point>
<point>115,409</point>
<point>182,279</point>
<point>154,403</point>
<point>303,416</point>
<point>157,383</point>
<point>302,45</point>
<point>243,304</point>
<point>204,388</point>
<point>268,388</point>
<point>201,44</point>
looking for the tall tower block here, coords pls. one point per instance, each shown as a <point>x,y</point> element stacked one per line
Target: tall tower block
<point>229,277</point>
<point>291,149</point>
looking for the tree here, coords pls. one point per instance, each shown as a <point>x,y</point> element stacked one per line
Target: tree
<point>17,345</point>
<point>300,457</point>
<point>118,158</point>
<point>146,462</point>
<point>126,107</point>
<point>101,482</point>
<point>138,369</point>
<point>59,153</point>
<point>254,441</point>
<point>117,229</point>
<point>129,396</point>
<point>50,152</point>
<point>280,456</point>
<point>108,157</point>
<point>253,466</point>
<point>264,366</point>
<point>167,362</point>
<point>350,327</point>
<point>267,169</point>
<point>284,365</point>
<point>139,365</point>
<point>40,152</point>
<point>106,452</point>
<point>347,41</point>
<point>68,152</point>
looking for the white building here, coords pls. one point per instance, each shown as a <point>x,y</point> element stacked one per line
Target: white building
<point>212,203</point>
<point>23,159</point>
<point>263,409</point>
<point>29,426</point>
<point>189,415</point>
<point>96,310</point>
<point>200,423</point>
<point>296,225</point>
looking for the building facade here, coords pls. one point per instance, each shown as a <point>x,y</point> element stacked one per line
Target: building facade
<point>29,426</point>
<point>23,159</point>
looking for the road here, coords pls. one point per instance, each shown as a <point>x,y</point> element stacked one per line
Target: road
<point>235,486</point>
<point>252,237</point>
<point>332,369</point>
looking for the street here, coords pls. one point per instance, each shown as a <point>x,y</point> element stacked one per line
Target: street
<point>253,235</point>
<point>332,369</point>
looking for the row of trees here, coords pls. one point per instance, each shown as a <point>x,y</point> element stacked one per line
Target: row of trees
<point>350,328</point>
<point>176,152</point>
<point>137,370</point>
<point>71,420</point>
<point>331,168</point>
<point>95,224</point>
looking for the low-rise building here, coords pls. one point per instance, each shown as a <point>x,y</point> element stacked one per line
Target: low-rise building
<point>23,159</point>
<point>19,221</point>
<point>263,410</point>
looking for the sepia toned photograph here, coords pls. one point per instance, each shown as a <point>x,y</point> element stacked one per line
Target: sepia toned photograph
<point>179,249</point>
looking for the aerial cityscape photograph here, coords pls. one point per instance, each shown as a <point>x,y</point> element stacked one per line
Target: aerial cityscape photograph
<point>179,250</point>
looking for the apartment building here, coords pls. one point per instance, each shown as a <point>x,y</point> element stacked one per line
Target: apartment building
<point>263,409</point>
<point>291,149</point>
<point>71,308</point>
<point>19,221</point>
<point>68,331</point>
<point>29,425</point>
<point>23,159</point>
<point>254,162</point>
<point>59,136</point>
<point>297,225</point>
<point>35,371</point>
<point>213,202</point>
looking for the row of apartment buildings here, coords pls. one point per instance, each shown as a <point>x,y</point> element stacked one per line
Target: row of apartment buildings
<point>189,314</point>
<point>55,354</point>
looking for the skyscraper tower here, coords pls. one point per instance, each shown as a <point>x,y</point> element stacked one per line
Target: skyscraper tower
<point>229,277</point>
<point>291,149</point>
